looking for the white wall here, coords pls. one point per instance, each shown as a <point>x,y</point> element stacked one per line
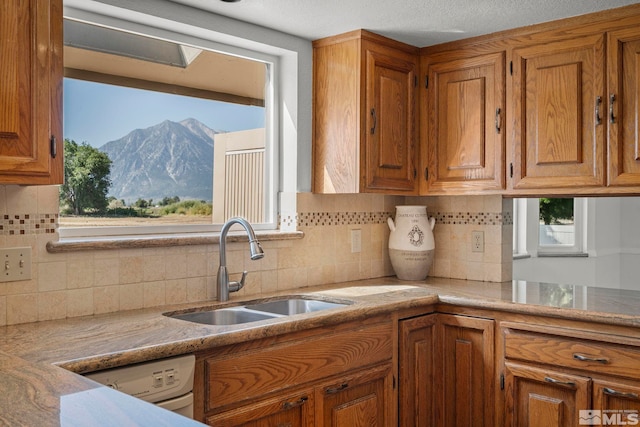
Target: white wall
<point>613,248</point>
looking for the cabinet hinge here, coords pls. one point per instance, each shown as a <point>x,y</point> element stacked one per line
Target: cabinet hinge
<point>426,82</point>
<point>415,173</point>
<point>511,67</point>
<point>501,381</point>
<point>415,81</point>
<point>394,382</point>
<point>511,170</point>
<point>54,146</point>
<point>426,174</point>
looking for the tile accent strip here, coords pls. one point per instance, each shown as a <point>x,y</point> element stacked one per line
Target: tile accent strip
<point>311,219</point>
<point>23,224</point>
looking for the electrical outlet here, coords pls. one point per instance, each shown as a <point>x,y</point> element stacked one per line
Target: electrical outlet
<point>15,264</point>
<point>477,241</point>
<point>356,240</point>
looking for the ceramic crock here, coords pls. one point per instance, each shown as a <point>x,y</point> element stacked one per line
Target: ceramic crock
<point>411,242</point>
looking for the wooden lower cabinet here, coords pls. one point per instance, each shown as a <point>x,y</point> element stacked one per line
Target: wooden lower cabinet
<point>294,410</point>
<point>537,397</point>
<point>361,400</point>
<point>446,371</point>
<point>563,377</point>
<point>334,377</point>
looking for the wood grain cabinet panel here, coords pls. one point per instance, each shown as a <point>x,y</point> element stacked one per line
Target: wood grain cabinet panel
<point>360,400</point>
<point>465,107</point>
<point>555,373</point>
<point>294,410</point>
<point>341,376</point>
<point>538,397</point>
<point>364,127</point>
<point>417,390</point>
<point>623,101</point>
<point>447,371</point>
<point>31,92</point>
<point>558,115</point>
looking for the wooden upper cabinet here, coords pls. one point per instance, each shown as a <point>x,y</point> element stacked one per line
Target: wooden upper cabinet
<point>364,126</point>
<point>622,113</point>
<point>31,92</point>
<point>465,131</point>
<point>558,114</point>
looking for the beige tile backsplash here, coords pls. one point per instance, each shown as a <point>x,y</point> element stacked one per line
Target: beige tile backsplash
<point>102,281</point>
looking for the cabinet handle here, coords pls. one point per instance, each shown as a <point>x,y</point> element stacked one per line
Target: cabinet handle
<point>612,117</point>
<point>616,393</point>
<point>598,103</point>
<point>554,381</point>
<point>334,390</point>
<point>498,121</point>
<point>299,402</point>
<point>583,358</point>
<point>375,121</point>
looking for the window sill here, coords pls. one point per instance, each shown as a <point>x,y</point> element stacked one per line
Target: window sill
<point>562,255</point>
<point>160,241</point>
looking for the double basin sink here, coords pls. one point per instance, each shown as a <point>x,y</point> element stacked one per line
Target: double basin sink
<point>256,312</point>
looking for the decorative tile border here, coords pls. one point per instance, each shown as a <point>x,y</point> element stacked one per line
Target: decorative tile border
<point>23,224</point>
<point>314,219</point>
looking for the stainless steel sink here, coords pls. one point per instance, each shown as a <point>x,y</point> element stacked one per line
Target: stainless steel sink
<point>288,307</point>
<point>224,316</point>
<point>255,312</point>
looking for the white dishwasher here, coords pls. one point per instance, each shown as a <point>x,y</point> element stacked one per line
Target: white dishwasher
<point>167,383</point>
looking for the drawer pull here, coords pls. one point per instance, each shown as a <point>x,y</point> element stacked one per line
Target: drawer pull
<point>612,392</point>
<point>584,358</point>
<point>558,382</point>
<point>291,405</point>
<point>334,390</point>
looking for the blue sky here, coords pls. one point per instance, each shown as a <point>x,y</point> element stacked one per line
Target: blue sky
<point>97,113</point>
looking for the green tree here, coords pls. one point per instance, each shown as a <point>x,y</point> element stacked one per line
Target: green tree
<point>86,176</point>
<point>553,210</point>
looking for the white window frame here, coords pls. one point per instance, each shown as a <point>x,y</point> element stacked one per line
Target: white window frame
<point>526,230</point>
<point>272,131</point>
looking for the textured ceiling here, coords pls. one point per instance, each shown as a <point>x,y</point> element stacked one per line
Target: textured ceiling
<point>417,22</point>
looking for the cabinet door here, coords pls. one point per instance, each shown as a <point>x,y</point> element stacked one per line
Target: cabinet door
<point>295,410</point>
<point>31,95</point>
<point>559,114</point>
<point>466,124</point>
<point>388,162</point>
<point>619,403</point>
<point>416,374</point>
<point>360,400</point>
<point>465,367</point>
<point>623,114</point>
<point>538,397</point>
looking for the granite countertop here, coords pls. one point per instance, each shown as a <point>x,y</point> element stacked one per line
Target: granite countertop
<point>38,388</point>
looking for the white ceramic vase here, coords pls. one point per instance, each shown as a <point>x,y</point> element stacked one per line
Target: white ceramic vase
<point>411,242</point>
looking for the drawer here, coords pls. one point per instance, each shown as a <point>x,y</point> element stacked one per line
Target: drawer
<point>590,355</point>
<point>250,374</point>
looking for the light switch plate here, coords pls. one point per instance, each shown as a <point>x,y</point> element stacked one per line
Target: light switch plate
<point>15,264</point>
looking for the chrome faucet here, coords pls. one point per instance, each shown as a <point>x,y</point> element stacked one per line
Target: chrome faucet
<point>223,284</point>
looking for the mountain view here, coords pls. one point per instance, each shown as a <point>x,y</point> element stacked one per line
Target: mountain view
<point>166,160</point>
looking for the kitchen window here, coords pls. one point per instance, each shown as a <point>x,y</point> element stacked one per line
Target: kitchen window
<point>171,169</point>
<point>549,227</point>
